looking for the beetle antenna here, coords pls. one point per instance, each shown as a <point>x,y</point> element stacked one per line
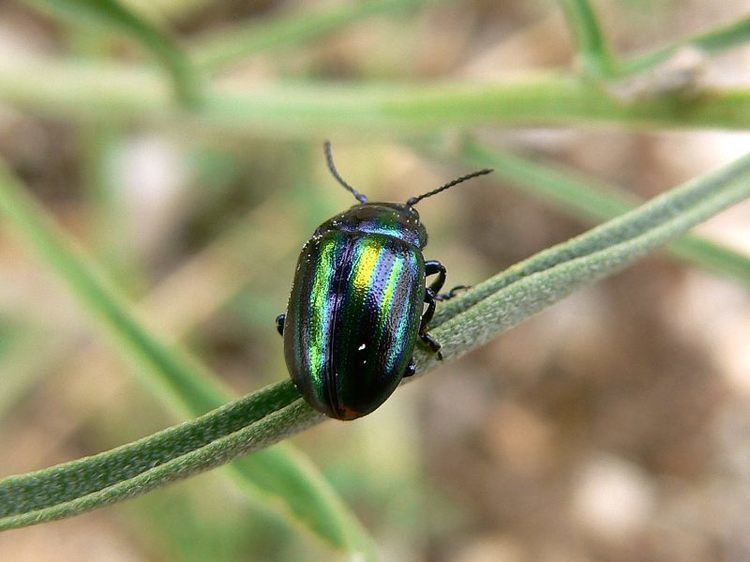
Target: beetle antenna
<point>414,200</point>
<point>335,173</point>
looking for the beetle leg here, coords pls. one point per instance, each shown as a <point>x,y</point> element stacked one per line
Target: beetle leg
<point>452,293</point>
<point>433,267</point>
<point>411,369</point>
<point>429,298</point>
<point>434,345</point>
<point>280,323</point>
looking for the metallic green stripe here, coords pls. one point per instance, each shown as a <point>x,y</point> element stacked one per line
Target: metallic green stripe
<point>401,335</point>
<point>320,309</point>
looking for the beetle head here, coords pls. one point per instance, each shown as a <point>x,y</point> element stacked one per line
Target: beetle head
<point>397,220</point>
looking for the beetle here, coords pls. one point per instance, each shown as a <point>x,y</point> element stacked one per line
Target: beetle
<point>357,304</point>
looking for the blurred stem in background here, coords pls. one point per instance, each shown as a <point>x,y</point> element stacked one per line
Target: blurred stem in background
<point>230,45</point>
<point>590,199</point>
<point>600,63</point>
<point>712,42</point>
<point>117,17</point>
<point>592,44</point>
<point>113,244</point>
<point>99,145</point>
<point>221,49</point>
<point>295,110</point>
<point>127,96</point>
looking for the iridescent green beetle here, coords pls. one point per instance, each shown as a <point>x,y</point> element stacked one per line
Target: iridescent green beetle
<point>357,304</point>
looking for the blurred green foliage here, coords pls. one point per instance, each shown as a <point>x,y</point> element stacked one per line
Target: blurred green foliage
<point>256,192</point>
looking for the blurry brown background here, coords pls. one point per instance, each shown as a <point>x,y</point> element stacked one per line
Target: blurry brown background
<point>614,426</point>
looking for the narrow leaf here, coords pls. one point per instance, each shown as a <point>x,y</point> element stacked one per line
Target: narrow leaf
<point>109,93</point>
<point>73,487</point>
<point>555,273</point>
<point>592,44</point>
<point>280,478</point>
<point>658,211</point>
<point>712,42</point>
<point>599,62</point>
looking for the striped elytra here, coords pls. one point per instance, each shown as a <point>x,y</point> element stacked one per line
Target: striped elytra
<point>357,305</point>
<point>355,308</point>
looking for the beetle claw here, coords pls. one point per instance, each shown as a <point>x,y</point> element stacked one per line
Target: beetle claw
<point>432,343</point>
<point>452,293</point>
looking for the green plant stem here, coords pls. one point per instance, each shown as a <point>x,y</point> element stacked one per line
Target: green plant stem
<point>659,211</point>
<point>219,50</point>
<point>712,42</point>
<point>592,44</point>
<point>101,471</point>
<point>182,388</point>
<point>273,413</point>
<point>586,198</point>
<point>116,94</point>
<point>507,307</point>
<point>600,63</point>
<point>280,476</point>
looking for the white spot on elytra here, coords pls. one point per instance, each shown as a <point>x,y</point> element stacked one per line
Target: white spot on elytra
<point>361,347</point>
